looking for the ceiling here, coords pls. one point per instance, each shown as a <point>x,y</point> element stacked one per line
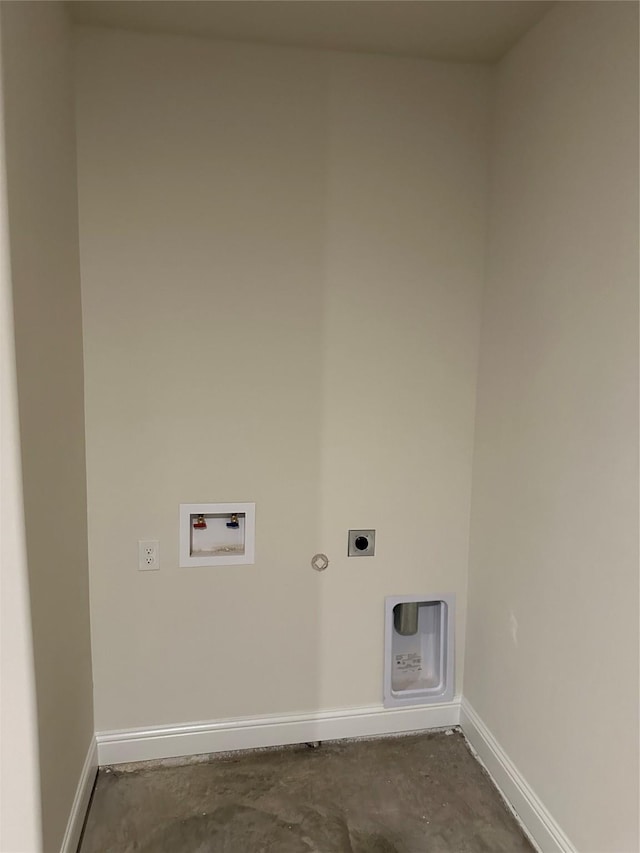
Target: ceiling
<point>461,30</point>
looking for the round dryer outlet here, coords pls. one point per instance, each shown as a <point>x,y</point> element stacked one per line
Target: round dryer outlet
<point>362,543</point>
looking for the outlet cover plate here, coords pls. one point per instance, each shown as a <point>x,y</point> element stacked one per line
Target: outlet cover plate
<point>148,555</point>
<point>362,543</point>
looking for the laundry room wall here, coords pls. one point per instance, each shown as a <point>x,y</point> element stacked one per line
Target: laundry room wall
<point>42,207</point>
<point>552,647</point>
<point>282,258</point>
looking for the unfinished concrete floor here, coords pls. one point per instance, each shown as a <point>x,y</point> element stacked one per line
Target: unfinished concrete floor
<point>395,795</point>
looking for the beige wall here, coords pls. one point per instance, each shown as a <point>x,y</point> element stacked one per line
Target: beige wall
<point>20,812</point>
<point>41,181</point>
<point>552,649</point>
<point>281,268</point>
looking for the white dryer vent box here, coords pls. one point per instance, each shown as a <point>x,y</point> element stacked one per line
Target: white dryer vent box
<point>418,649</point>
<point>221,534</point>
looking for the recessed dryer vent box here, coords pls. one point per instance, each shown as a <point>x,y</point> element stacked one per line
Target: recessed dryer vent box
<point>217,534</point>
<point>418,649</point>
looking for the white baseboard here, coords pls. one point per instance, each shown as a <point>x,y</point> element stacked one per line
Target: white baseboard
<point>251,733</point>
<point>542,829</point>
<point>80,805</point>
<point>175,741</point>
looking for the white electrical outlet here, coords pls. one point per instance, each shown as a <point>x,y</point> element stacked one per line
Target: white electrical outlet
<point>148,555</point>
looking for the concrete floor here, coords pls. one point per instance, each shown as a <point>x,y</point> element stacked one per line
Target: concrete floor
<point>395,795</point>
